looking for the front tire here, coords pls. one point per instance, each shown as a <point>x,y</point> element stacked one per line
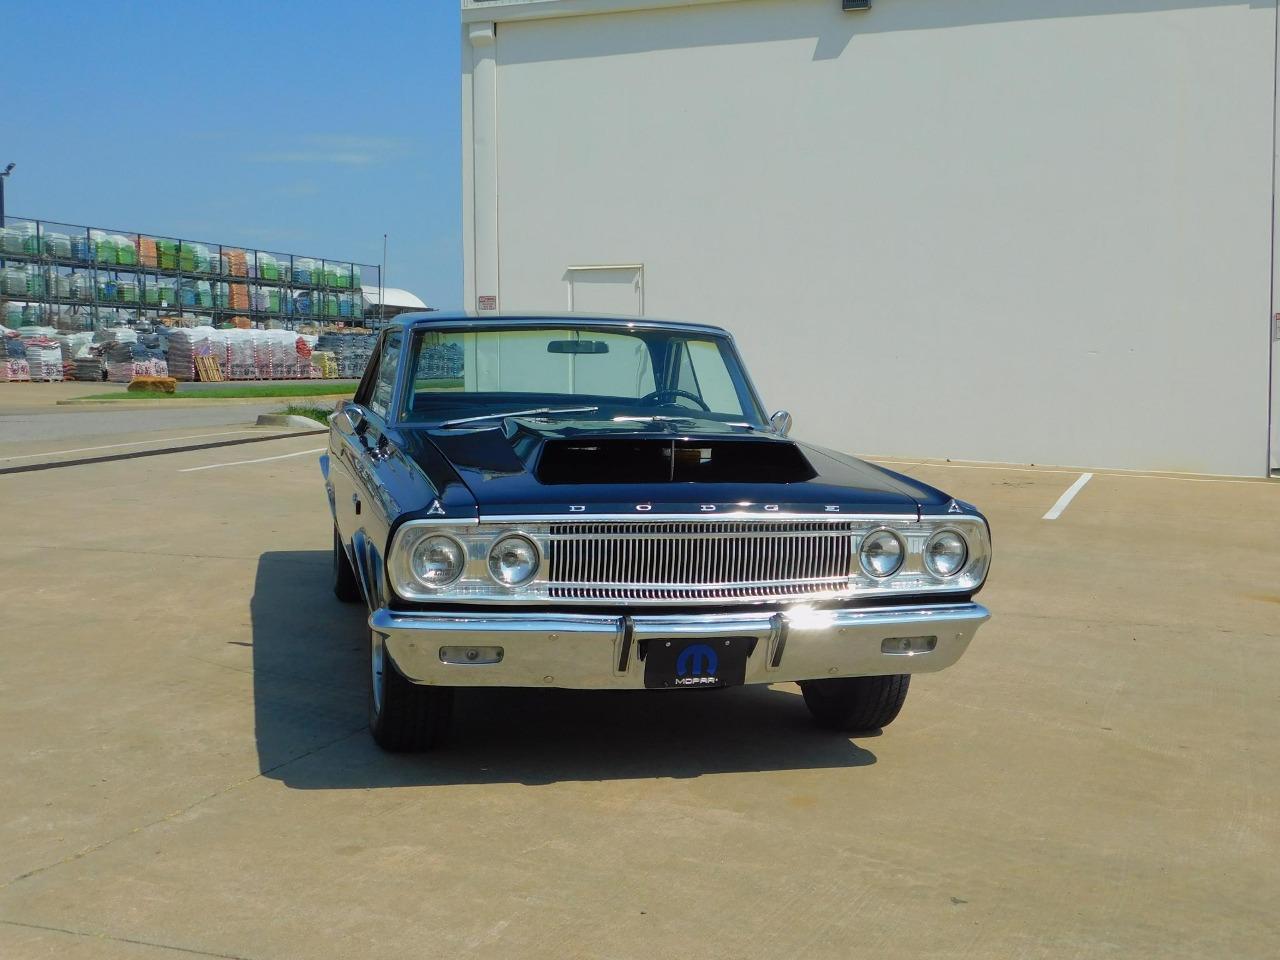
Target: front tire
<point>404,717</point>
<point>345,586</point>
<point>856,703</point>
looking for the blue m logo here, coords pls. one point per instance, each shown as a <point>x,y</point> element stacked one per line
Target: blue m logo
<point>698,660</point>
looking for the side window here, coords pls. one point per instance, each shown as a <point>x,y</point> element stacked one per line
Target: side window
<point>711,373</point>
<point>701,370</point>
<point>364,389</point>
<point>385,379</point>
<point>685,378</point>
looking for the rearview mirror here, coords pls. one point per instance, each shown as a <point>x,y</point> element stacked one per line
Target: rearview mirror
<point>577,346</point>
<point>781,423</point>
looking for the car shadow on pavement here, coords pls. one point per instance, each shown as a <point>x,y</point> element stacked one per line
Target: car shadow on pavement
<point>309,659</point>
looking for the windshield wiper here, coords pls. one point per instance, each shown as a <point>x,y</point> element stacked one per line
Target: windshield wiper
<point>663,418</point>
<point>654,418</point>
<point>517,413</point>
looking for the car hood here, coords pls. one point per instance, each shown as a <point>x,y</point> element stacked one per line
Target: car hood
<point>534,468</point>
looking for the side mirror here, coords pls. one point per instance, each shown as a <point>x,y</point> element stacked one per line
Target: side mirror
<point>781,423</point>
<point>347,421</point>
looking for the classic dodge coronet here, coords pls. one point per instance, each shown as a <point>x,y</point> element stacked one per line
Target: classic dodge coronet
<point>602,503</point>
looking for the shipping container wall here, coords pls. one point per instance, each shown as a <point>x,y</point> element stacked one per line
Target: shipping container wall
<point>939,228</point>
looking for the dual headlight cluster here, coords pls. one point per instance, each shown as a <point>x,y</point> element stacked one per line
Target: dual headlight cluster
<point>883,554</point>
<point>439,560</point>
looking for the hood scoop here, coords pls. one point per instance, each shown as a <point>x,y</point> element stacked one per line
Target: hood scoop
<point>656,460</point>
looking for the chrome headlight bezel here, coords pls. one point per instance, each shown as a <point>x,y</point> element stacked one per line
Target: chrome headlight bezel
<point>875,534</point>
<point>926,553</point>
<point>533,572</point>
<point>457,572</point>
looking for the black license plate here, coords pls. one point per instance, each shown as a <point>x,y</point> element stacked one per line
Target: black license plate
<point>691,664</point>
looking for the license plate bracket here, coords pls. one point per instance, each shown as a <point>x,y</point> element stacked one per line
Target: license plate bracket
<point>696,663</point>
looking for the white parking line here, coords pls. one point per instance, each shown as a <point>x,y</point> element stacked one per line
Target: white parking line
<point>130,443</point>
<point>1063,501</point>
<point>1010,468</point>
<point>240,463</point>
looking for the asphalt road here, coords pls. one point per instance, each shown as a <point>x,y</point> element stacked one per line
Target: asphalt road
<point>186,769</point>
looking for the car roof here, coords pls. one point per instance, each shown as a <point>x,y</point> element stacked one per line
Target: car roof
<point>437,319</point>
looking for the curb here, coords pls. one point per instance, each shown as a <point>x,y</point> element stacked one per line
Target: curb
<point>288,420</point>
<point>324,400</point>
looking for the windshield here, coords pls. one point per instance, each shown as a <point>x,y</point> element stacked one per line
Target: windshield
<point>580,372</point>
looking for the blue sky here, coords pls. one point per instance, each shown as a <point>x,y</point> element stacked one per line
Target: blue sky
<point>302,127</point>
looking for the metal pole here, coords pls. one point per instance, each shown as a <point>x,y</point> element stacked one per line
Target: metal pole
<point>4,175</point>
<point>382,286</point>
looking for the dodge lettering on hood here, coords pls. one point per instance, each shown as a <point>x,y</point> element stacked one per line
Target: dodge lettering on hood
<point>602,503</point>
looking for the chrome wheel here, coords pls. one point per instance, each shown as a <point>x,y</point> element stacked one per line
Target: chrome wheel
<point>377,664</point>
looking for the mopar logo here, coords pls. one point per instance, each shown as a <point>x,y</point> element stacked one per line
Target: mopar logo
<point>696,664</point>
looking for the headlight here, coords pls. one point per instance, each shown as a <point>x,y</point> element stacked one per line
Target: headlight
<point>437,561</point>
<point>881,554</point>
<point>945,554</point>
<point>513,561</point>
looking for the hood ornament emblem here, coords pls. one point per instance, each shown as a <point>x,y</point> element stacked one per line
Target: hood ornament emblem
<point>954,507</point>
<point>435,510</point>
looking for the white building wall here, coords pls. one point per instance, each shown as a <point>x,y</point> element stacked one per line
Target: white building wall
<point>941,228</point>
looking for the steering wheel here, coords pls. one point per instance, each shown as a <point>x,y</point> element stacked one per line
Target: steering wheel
<point>657,395</point>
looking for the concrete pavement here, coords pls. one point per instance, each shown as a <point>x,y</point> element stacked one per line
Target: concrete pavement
<point>31,420</point>
<point>186,768</point>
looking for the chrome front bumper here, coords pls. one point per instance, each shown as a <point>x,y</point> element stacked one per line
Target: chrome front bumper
<point>585,651</point>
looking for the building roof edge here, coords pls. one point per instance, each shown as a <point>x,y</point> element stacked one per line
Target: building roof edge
<point>498,11</point>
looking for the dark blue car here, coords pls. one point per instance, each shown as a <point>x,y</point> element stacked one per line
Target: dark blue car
<point>603,503</point>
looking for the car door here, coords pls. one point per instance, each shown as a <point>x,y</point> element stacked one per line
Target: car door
<point>357,449</point>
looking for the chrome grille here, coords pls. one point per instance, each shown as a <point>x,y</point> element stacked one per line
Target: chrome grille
<point>682,560</point>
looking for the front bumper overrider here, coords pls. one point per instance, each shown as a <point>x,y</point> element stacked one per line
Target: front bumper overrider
<point>605,651</point>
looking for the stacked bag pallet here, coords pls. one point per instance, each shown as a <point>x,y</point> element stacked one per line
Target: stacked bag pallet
<point>235,263</point>
<point>265,299</point>
<point>128,360</point>
<point>44,358</point>
<point>104,247</point>
<point>81,248</point>
<point>242,359</point>
<point>89,367</point>
<point>23,281</point>
<point>167,254</point>
<point>185,344</point>
<point>57,245</point>
<point>305,271</point>
<point>324,365</point>
<point>80,285</point>
<point>13,357</point>
<point>126,250</point>
<point>441,362</point>
<point>351,351</point>
<point>148,253</point>
<point>268,267</point>
<point>80,359</point>
<point>21,238</point>
<point>242,354</point>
